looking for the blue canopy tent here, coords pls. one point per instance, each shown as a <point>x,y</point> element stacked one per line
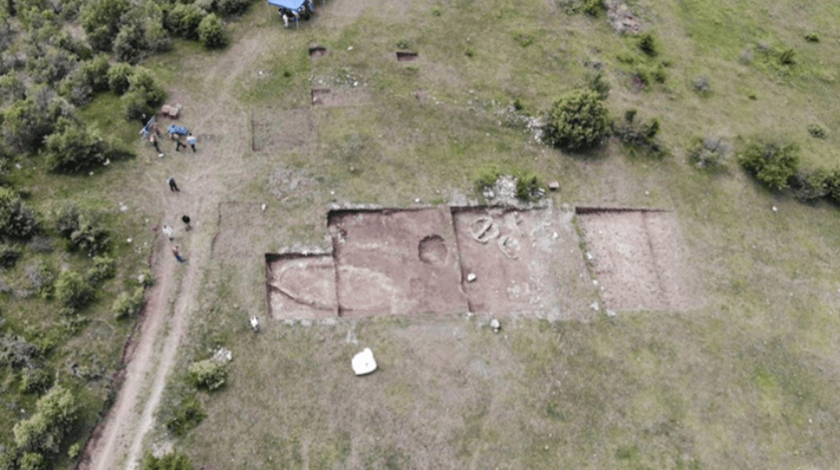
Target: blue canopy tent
<point>295,9</point>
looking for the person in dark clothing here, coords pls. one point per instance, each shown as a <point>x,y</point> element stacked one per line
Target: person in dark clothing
<point>178,145</point>
<point>153,140</point>
<point>172,186</point>
<point>186,220</point>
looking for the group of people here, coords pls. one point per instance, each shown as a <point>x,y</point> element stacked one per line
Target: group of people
<point>170,234</point>
<point>289,14</point>
<point>191,140</point>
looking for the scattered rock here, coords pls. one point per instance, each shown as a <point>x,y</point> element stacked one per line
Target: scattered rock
<point>775,209</point>
<point>363,363</point>
<point>595,306</point>
<point>262,207</point>
<point>554,185</point>
<point>470,277</point>
<point>223,355</point>
<point>123,208</point>
<point>611,313</point>
<point>494,323</point>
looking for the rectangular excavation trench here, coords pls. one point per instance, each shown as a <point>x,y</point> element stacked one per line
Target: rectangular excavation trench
<point>409,261</point>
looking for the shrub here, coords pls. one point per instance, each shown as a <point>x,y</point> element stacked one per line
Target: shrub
<point>118,76</point>
<point>640,138</point>
<point>527,188</point>
<point>27,122</point>
<point>104,267</point>
<point>186,417</point>
<point>487,178</point>
<point>700,84</point>
<point>232,7</point>
<point>11,89</point>
<point>83,230</point>
<point>73,148</point>
<point>709,152</point>
<point>647,44</point>
<point>35,380</point>
<point>143,96</point>
<point>52,67</point>
<point>832,184</point>
<point>808,185</point>
<point>72,290</point>
<point>172,461</point>
<point>74,450</point>
<point>44,430</point>
<point>817,131</point>
<point>578,119</point>
<point>32,461</point>
<point>135,106</point>
<point>208,374</point>
<point>773,162</point>
<point>595,81</point>
<point>523,39</point>
<point>212,33</point>
<point>787,56</point>
<point>127,305</point>
<point>183,21</point>
<point>146,278</point>
<point>130,44</point>
<point>95,71</point>
<point>75,88</point>
<point>16,220</point>
<point>812,37</point>
<point>660,74</point>
<point>641,77</point>
<point>8,256</point>
<point>101,21</point>
<point>18,353</point>
<point>594,7</point>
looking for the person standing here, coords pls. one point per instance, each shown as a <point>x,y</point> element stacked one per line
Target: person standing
<point>191,141</point>
<point>153,140</point>
<point>178,144</point>
<point>177,252</point>
<point>172,186</point>
<point>186,220</point>
<point>167,230</point>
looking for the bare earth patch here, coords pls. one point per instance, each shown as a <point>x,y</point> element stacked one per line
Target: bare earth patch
<point>340,96</point>
<point>396,262</point>
<point>635,255</point>
<point>301,287</point>
<point>281,130</point>
<point>523,261</point>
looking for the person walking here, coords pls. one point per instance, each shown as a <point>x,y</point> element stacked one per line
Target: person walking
<point>177,252</point>
<point>191,141</point>
<point>178,144</point>
<point>153,140</point>
<point>186,220</point>
<point>172,186</point>
<point>167,230</point>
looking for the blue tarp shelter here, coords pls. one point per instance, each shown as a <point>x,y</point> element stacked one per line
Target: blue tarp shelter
<point>288,4</point>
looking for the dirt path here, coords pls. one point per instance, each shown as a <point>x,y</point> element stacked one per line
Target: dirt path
<point>204,179</point>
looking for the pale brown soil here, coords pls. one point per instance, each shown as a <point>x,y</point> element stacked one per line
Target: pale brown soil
<point>636,258</point>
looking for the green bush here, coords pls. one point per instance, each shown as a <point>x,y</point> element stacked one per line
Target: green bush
<point>130,44</point>
<point>486,178</point>
<point>136,106</point>
<point>832,184</point>
<point>73,148</point>
<point>12,89</point>
<point>128,305</point>
<point>787,56</point>
<point>578,119</point>
<point>596,81</point>
<point>212,33</point>
<point>118,76</point>
<point>707,153</point>
<point>53,418</point>
<point>594,7</point>
<point>72,290</point>
<point>527,187</point>
<point>103,268</point>
<point>74,451</point>
<point>640,138</point>
<point>208,374</point>
<point>647,44</point>
<point>773,162</point>
<point>183,21</point>
<point>35,380</point>
<point>817,131</point>
<point>186,417</point>
<point>659,74</point>
<point>16,220</point>
<point>808,185</point>
<point>232,7</point>
<point>172,461</point>
<point>144,95</point>
<point>32,461</point>
<point>101,20</point>
<point>8,256</point>
<point>812,37</point>
<point>27,122</point>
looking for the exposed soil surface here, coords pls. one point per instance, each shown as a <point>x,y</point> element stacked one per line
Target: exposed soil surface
<point>524,262</point>
<point>301,287</point>
<point>636,258</point>
<point>396,262</point>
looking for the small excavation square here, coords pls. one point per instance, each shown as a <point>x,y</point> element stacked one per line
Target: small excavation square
<point>317,51</point>
<point>300,287</point>
<point>526,262</point>
<point>396,262</point>
<point>406,56</point>
<point>635,257</point>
